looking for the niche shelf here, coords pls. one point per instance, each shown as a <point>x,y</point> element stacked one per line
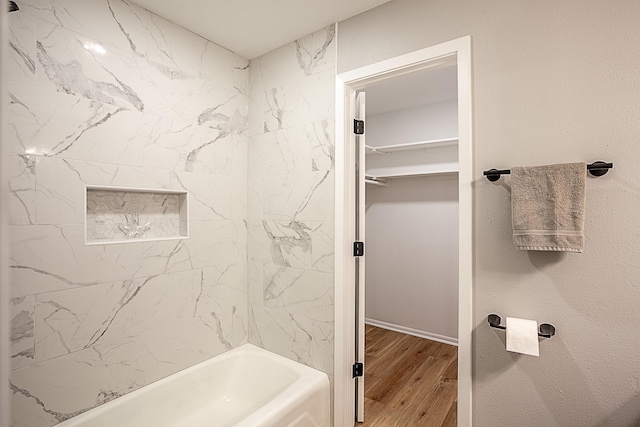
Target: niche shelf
<point>127,215</point>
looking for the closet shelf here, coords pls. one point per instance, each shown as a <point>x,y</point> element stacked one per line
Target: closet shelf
<point>412,175</point>
<point>410,146</point>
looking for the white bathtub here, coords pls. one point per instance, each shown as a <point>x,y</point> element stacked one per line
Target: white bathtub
<point>244,387</point>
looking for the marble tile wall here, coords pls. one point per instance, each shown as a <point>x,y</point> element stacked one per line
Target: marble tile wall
<point>291,200</point>
<point>104,93</point>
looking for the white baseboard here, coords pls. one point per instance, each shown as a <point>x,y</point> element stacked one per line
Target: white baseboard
<point>410,331</point>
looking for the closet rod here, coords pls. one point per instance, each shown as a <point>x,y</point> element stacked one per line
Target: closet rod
<point>596,169</point>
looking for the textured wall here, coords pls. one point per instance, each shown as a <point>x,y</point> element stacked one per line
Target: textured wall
<point>553,82</point>
<point>290,200</point>
<point>105,93</point>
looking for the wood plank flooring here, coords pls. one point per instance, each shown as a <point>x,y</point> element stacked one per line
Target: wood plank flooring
<point>409,381</point>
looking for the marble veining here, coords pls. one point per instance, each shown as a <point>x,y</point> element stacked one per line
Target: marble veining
<point>323,149</point>
<point>304,203</point>
<point>290,200</point>
<point>63,146</point>
<point>56,277</point>
<point>322,233</point>
<point>22,63</point>
<point>300,244</point>
<point>73,320</point>
<point>167,71</point>
<point>51,123</point>
<point>223,124</point>
<point>296,337</point>
<point>104,93</point>
<point>29,63</point>
<point>220,283</point>
<point>298,291</point>
<point>22,180</point>
<point>71,78</point>
<point>21,326</point>
<point>308,57</point>
<point>59,416</point>
<point>298,102</point>
<point>299,196</point>
<point>295,238</point>
<point>276,108</point>
<point>22,331</point>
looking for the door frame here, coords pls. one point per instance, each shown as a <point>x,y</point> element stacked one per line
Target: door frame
<point>346,86</point>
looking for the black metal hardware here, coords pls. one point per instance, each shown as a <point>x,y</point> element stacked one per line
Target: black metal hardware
<point>13,7</point>
<point>494,174</point>
<point>358,126</point>
<point>598,168</point>
<point>358,248</point>
<point>358,369</point>
<point>546,330</point>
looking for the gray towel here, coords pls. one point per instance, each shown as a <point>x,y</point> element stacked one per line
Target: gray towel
<point>547,207</point>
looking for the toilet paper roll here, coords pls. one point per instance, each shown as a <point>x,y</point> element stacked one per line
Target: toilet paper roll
<point>522,336</point>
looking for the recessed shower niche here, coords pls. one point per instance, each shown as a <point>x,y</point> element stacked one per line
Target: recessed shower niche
<point>125,215</point>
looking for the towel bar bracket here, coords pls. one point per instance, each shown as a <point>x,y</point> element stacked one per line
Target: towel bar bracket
<point>494,174</point>
<point>598,168</point>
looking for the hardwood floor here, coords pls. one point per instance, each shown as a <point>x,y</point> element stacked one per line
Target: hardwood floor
<point>409,381</point>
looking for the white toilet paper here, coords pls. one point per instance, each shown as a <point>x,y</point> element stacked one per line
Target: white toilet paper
<point>522,336</point>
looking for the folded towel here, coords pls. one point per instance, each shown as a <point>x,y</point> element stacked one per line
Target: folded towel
<point>547,207</point>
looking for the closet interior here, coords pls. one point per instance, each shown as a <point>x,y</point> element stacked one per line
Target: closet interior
<point>412,204</point>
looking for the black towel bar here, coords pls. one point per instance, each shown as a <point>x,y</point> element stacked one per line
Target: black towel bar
<point>596,169</point>
<point>546,330</point>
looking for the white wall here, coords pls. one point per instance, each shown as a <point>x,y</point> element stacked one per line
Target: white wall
<point>425,123</point>
<point>412,255</point>
<point>553,82</point>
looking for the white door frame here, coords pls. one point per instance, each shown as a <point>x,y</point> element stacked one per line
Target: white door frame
<point>346,86</point>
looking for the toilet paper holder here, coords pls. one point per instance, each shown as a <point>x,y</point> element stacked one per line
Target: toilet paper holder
<point>545,331</point>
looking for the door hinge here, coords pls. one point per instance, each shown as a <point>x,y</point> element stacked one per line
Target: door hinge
<point>358,248</point>
<point>358,369</point>
<point>358,126</point>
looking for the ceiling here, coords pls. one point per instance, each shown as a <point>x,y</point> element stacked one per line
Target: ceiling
<point>254,27</point>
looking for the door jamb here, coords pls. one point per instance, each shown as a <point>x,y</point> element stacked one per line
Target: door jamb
<point>346,86</point>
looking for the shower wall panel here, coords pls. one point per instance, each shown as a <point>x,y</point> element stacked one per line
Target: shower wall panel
<point>106,93</point>
<point>290,200</point>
